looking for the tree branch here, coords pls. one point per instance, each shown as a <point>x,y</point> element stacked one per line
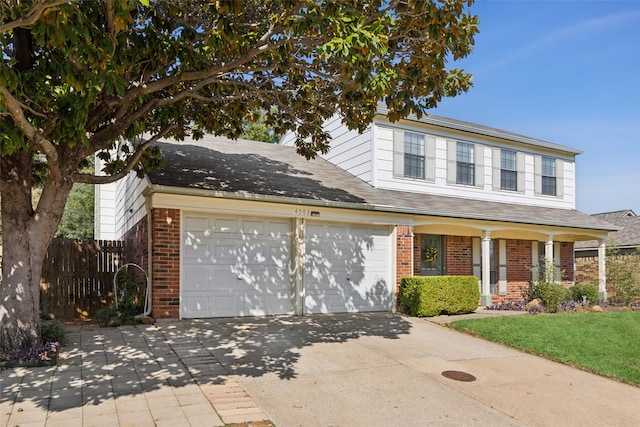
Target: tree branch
<point>131,163</point>
<point>108,13</point>
<point>15,110</point>
<point>32,16</point>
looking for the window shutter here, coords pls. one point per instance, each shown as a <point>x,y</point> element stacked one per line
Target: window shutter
<point>496,166</point>
<point>559,178</point>
<point>430,158</point>
<point>475,258</point>
<point>537,179</point>
<point>398,152</point>
<point>479,165</point>
<point>521,171</point>
<point>556,261</point>
<point>502,267</point>
<point>451,161</point>
<point>535,260</point>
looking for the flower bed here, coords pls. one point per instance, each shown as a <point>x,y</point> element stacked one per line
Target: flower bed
<point>566,306</point>
<point>39,355</point>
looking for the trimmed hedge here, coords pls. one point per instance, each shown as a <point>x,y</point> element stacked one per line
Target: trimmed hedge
<point>426,296</point>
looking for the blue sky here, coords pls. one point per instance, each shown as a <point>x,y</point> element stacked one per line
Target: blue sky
<point>567,72</point>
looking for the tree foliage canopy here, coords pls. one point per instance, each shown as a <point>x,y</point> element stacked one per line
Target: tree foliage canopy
<point>77,76</point>
<point>87,72</point>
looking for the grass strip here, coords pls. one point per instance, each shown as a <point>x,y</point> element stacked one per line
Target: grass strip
<point>606,344</point>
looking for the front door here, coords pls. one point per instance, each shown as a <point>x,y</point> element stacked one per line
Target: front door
<point>431,255</point>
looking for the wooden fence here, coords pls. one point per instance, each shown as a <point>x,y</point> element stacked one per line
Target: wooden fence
<point>77,277</point>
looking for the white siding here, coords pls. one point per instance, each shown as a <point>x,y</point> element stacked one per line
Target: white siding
<point>105,212</point>
<point>349,150</point>
<point>130,203</point>
<point>118,205</point>
<point>384,176</point>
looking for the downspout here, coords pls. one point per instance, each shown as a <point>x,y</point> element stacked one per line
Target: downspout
<point>147,205</point>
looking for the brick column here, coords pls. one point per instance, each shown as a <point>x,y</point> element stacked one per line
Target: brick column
<point>404,252</point>
<point>166,263</point>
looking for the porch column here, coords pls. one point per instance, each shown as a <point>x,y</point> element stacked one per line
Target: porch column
<point>602,270</point>
<point>548,260</point>
<point>485,291</point>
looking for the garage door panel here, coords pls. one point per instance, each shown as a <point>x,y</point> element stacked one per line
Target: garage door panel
<point>196,303</point>
<point>236,266</point>
<point>347,268</point>
<point>224,225</point>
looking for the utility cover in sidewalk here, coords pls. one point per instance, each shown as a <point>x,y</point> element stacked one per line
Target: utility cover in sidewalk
<point>458,376</point>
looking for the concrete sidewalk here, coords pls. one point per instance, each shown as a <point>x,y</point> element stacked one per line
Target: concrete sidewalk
<point>367,369</point>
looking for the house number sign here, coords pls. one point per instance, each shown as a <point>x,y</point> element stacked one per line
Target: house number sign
<point>305,212</point>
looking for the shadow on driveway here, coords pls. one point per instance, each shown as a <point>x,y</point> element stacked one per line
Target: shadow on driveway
<point>256,346</point>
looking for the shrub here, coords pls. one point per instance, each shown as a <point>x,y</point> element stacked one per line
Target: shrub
<point>587,290</point>
<point>434,295</point>
<point>623,276</point>
<point>53,331</point>
<point>546,289</point>
<point>105,314</point>
<point>130,296</point>
<point>550,294</point>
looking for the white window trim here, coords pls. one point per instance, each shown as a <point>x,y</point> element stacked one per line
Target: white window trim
<point>538,177</point>
<point>452,162</point>
<point>497,168</point>
<point>429,155</point>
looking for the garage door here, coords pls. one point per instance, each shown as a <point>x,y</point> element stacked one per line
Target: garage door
<point>347,268</point>
<point>235,266</point>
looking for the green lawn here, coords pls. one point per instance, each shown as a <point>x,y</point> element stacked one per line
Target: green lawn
<point>606,344</point>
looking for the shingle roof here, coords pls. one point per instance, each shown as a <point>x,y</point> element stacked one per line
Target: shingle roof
<point>475,128</point>
<point>257,168</point>
<point>628,235</point>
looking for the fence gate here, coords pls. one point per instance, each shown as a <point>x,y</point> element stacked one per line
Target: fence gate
<point>77,277</point>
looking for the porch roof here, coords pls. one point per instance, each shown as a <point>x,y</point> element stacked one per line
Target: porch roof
<point>215,166</point>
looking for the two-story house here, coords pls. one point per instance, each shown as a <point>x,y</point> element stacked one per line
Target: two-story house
<point>233,228</point>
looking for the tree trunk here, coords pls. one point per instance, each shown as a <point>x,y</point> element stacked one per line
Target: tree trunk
<point>26,237</point>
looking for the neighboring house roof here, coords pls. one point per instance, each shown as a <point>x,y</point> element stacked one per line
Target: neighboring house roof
<point>627,236</point>
<point>262,171</point>
<point>460,125</point>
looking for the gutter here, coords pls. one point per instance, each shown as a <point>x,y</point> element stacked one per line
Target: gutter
<point>199,192</point>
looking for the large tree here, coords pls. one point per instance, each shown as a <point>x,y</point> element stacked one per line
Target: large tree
<point>77,77</point>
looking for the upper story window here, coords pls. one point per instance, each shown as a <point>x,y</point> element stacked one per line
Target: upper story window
<point>465,166</point>
<point>508,170</point>
<point>414,155</point>
<point>548,187</point>
<point>549,176</point>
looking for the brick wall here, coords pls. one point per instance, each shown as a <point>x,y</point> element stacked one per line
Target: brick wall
<point>567,265</point>
<point>417,254</point>
<point>137,238</point>
<point>518,270</point>
<point>404,246</point>
<point>166,263</point>
<point>587,270</point>
<point>458,261</point>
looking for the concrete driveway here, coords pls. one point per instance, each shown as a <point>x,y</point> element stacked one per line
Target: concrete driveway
<point>386,370</point>
<point>326,370</point>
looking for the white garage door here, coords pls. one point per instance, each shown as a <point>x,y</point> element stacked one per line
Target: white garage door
<point>347,268</point>
<point>235,266</point>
